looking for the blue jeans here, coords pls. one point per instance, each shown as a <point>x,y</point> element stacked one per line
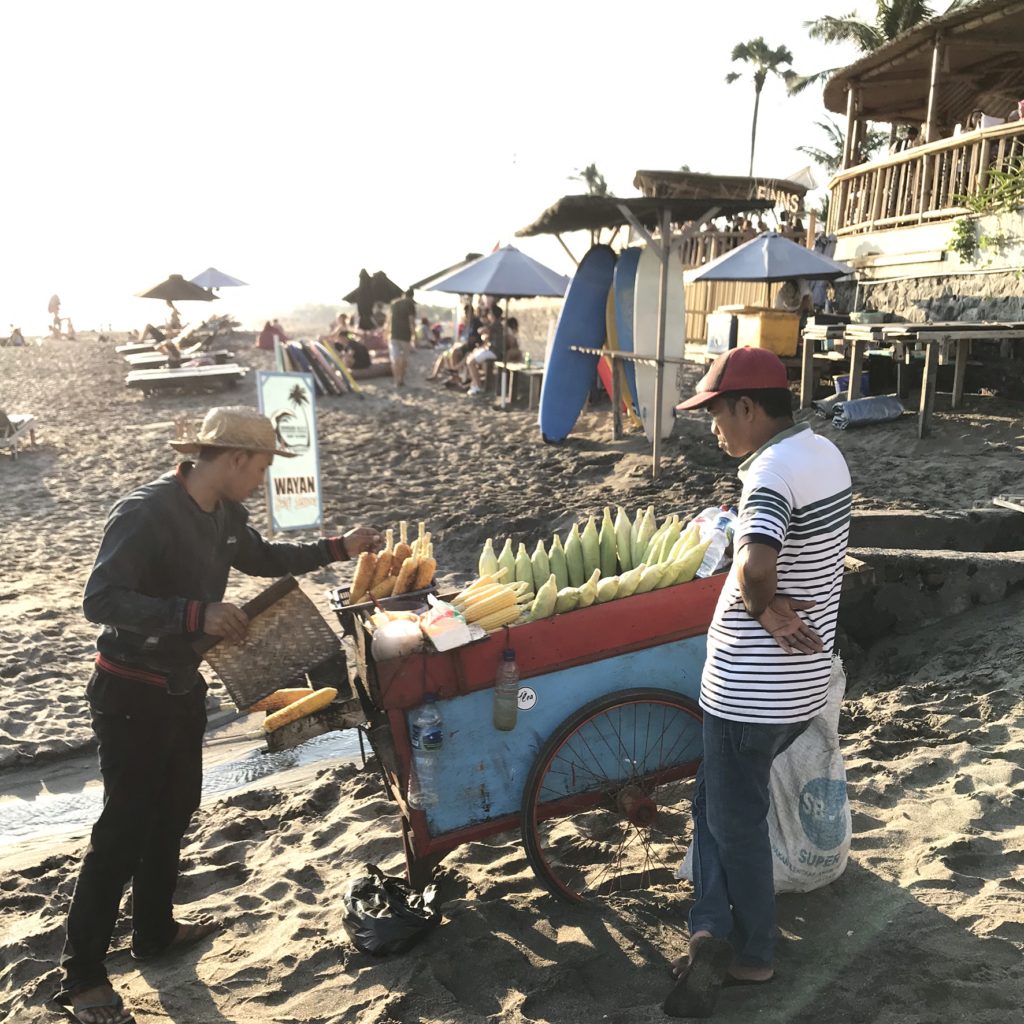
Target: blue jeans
<point>732,857</point>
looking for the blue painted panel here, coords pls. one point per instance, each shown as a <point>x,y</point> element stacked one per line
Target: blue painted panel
<point>481,771</point>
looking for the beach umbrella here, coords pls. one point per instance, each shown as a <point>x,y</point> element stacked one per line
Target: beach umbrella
<point>211,277</point>
<point>177,289</point>
<point>425,283</point>
<point>506,273</point>
<point>380,288</point>
<point>770,257</point>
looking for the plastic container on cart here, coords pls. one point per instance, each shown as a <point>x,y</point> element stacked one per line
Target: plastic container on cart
<point>426,738</point>
<point>506,692</point>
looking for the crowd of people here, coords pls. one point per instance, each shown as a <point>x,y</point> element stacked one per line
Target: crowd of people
<point>483,337</point>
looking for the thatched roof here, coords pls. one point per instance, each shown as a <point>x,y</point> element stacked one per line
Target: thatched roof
<point>589,213</point>
<point>688,185</point>
<point>982,68</point>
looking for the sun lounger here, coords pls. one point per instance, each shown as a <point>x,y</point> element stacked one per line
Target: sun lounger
<point>186,378</point>
<point>198,338</point>
<point>13,432</point>
<point>158,360</point>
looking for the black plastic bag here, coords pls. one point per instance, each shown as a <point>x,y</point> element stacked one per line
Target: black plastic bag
<point>384,915</point>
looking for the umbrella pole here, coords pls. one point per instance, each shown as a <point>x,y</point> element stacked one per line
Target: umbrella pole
<point>659,380</point>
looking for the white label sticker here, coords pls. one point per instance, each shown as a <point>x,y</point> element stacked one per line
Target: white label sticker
<point>527,698</point>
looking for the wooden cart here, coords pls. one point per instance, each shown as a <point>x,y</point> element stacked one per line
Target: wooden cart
<point>595,774</point>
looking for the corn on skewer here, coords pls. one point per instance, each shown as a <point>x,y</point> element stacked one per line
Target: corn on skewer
<point>406,575</point>
<point>424,573</point>
<point>299,709</point>
<point>363,577</point>
<point>281,698</point>
<point>402,549</point>
<point>385,588</point>
<point>382,570</point>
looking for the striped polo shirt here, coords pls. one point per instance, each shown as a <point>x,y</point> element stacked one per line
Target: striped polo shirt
<point>796,499</point>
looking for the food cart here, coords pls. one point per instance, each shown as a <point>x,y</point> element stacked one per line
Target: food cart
<point>596,772</point>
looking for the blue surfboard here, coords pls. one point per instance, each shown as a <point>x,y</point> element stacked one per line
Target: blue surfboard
<point>301,363</point>
<point>624,281</point>
<point>569,376</point>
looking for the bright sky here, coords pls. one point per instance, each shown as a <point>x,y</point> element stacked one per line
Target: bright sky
<point>290,144</point>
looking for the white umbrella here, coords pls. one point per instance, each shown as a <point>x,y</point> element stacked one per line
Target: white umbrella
<point>211,277</point>
<point>770,257</point>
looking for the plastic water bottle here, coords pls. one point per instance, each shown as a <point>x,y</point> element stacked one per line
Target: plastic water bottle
<point>506,692</point>
<point>426,737</point>
<point>721,531</point>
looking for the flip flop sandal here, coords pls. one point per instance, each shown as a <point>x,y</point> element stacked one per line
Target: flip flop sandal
<point>696,992</point>
<point>731,982</point>
<point>195,932</point>
<point>63,1004</point>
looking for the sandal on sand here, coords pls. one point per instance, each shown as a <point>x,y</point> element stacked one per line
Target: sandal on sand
<point>696,992</point>
<point>64,1004</point>
<point>733,982</point>
<point>195,931</point>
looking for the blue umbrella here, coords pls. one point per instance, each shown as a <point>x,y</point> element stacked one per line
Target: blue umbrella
<point>770,257</point>
<point>211,277</point>
<point>506,273</point>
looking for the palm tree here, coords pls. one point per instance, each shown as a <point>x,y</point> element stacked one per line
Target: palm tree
<point>892,18</point>
<point>595,181</point>
<point>298,398</point>
<point>765,61</point>
<point>831,158</point>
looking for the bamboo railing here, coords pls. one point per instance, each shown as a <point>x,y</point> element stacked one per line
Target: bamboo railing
<point>920,185</point>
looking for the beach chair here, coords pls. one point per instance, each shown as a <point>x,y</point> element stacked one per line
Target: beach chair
<point>14,430</point>
<point>190,379</point>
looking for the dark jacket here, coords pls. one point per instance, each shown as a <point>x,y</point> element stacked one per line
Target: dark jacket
<point>161,561</point>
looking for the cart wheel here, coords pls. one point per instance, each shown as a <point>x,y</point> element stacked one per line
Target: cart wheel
<point>606,804</point>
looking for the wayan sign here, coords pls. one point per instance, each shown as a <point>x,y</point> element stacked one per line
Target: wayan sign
<point>293,485</point>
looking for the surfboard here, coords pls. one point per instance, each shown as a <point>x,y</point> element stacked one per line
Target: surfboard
<point>568,375</point>
<point>335,361</point>
<point>645,337</point>
<point>606,367</point>
<point>624,283</point>
<point>326,371</point>
<point>300,361</point>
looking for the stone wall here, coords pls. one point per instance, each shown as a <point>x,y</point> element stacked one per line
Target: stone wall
<point>965,297</point>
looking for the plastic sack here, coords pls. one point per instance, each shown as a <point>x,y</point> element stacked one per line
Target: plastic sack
<point>809,822</point>
<point>863,411</point>
<point>384,915</point>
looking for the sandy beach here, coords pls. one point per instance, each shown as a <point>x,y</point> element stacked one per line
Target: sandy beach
<point>927,924</point>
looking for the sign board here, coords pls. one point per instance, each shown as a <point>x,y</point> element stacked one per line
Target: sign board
<point>293,485</point>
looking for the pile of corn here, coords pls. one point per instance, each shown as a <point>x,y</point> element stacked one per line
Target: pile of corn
<point>398,569</point>
<point>491,604</point>
<point>594,565</point>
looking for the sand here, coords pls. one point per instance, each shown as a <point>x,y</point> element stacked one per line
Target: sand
<point>926,925</point>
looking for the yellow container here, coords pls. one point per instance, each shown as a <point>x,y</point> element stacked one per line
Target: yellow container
<point>772,329</point>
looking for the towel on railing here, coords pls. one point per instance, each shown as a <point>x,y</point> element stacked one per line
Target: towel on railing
<point>862,411</point>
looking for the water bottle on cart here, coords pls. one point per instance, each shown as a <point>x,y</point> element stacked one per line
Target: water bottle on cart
<point>426,737</point>
<point>720,529</point>
<point>506,692</point>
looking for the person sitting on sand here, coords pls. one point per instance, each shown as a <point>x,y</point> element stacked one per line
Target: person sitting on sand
<point>768,666</point>
<point>156,588</point>
<point>355,355</point>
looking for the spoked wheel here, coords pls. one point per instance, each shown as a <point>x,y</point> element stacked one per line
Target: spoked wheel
<point>606,807</point>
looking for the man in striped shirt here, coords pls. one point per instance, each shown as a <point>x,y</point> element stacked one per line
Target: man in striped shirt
<point>768,662</point>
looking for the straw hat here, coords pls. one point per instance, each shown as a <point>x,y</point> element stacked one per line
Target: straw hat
<point>235,426</point>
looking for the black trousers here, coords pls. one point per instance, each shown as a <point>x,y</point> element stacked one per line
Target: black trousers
<point>150,751</point>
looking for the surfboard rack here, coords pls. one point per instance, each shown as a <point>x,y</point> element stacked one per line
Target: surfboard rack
<point>631,357</point>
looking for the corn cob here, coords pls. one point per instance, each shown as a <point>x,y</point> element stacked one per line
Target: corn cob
<point>521,587</point>
<point>488,564</point>
<point>650,578</point>
<point>477,610</point>
<point>644,534</point>
<point>606,545</point>
<point>634,532</point>
<point>475,593</point>
<point>363,577</point>
<point>402,549</point>
<point>281,698</point>
<point>689,537</point>
<point>607,589</point>
<point>685,568</point>
<point>591,548</point>
<point>629,581</point>
<point>385,588</point>
<point>556,562</point>
<point>299,709</point>
<point>544,603</point>
<point>406,575</point>
<point>567,599</point>
<point>655,541</point>
<point>541,566</point>
<point>500,618</point>
<point>622,541</point>
<point>667,540</point>
<point>588,592</point>
<point>574,557</point>
<point>425,573</point>
<point>524,567</point>
<point>507,559</point>
<point>382,570</point>
<point>479,584</point>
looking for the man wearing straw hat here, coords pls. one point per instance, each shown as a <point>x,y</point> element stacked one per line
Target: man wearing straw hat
<point>768,663</point>
<point>157,587</point>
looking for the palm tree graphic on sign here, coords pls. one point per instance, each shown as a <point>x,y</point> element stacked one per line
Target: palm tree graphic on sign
<point>294,426</point>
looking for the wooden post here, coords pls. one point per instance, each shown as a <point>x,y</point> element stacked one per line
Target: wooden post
<point>856,364</point>
<point>931,373</point>
<point>812,229</point>
<point>616,399</point>
<point>659,379</point>
<point>960,371</point>
<point>852,98</point>
<point>931,125</point>
<point>806,372</point>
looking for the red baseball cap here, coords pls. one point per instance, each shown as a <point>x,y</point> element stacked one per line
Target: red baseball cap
<point>739,369</point>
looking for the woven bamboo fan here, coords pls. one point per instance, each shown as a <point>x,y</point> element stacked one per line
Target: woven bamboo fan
<point>287,638</point>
